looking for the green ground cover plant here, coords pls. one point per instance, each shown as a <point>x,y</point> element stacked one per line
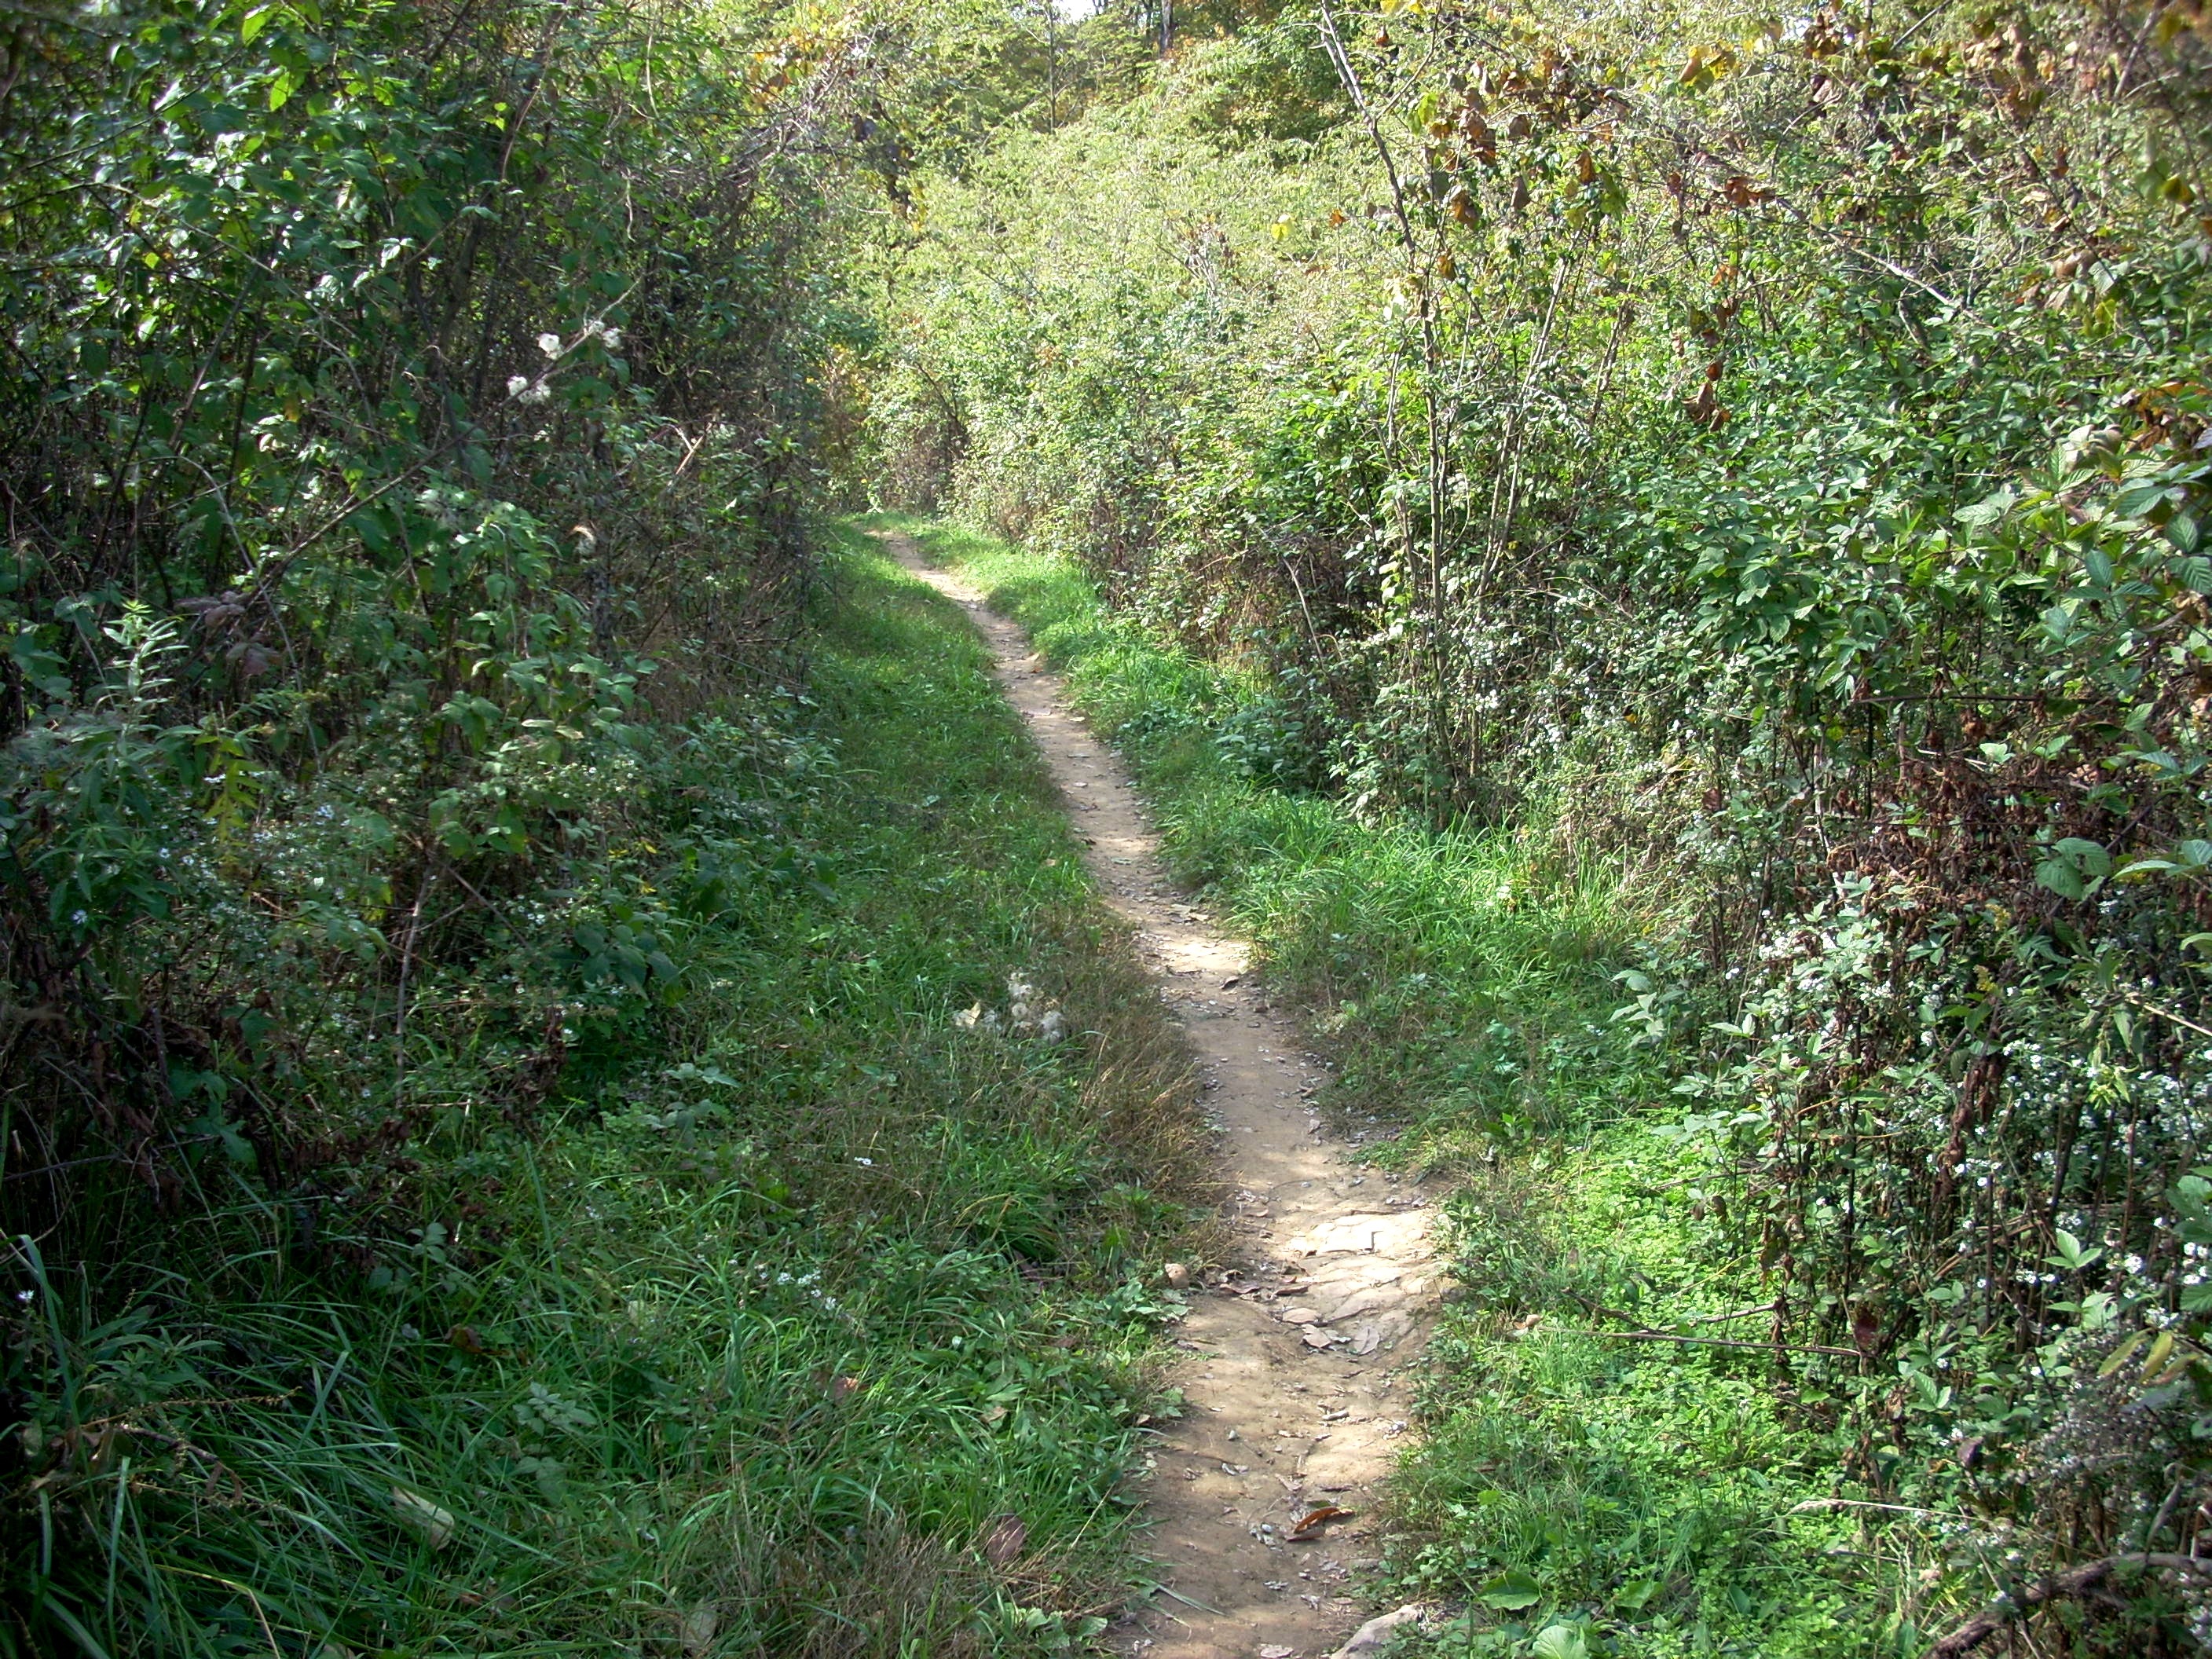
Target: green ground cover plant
<point>486,1165</point>
<point>811,1322</point>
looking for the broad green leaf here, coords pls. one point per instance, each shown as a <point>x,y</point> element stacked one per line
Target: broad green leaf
<point>2061,878</point>
<point>1513,1592</point>
<point>2087,856</point>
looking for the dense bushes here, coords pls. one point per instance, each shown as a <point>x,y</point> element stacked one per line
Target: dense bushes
<point>1767,456</point>
<point>404,408</point>
<point>398,398</point>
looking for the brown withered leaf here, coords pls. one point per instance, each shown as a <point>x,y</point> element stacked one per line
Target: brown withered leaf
<point>1009,1536</point>
<point>1309,1528</point>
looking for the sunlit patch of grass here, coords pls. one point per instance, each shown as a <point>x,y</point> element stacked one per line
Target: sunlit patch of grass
<point>1462,973</point>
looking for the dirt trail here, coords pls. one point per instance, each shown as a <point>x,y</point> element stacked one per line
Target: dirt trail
<point>1299,1346</point>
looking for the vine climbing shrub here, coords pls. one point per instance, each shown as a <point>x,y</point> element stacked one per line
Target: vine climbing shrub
<point>397,418</point>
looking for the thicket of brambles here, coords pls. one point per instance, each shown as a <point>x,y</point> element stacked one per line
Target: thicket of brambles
<point>1768,453</point>
<point>407,410</point>
<point>400,404</point>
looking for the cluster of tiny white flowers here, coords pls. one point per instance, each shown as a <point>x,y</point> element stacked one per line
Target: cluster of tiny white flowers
<point>1025,1015</point>
<point>525,390</point>
<point>807,1284</point>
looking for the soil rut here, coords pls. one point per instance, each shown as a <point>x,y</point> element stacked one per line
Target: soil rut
<point>1300,1346</point>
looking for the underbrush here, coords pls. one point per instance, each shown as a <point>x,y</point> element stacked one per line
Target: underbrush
<point>1642,1438</point>
<point>795,1315</point>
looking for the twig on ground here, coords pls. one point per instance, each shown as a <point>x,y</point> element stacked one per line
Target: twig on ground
<point>1727,1342</point>
<point>2071,1585</point>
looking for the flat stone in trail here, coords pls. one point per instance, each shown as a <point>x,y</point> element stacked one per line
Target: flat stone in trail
<point>1285,1415</point>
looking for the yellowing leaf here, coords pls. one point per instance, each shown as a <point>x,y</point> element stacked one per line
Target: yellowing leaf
<point>421,1516</point>
<point>2119,1356</point>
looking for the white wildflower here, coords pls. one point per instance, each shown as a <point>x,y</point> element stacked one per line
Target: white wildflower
<point>517,384</point>
<point>549,344</point>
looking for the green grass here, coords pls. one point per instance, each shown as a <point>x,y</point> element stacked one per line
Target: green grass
<point>1504,1013</point>
<point>798,1291</point>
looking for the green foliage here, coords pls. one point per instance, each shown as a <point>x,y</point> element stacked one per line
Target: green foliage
<point>485,1160</point>
<point>796,1292</point>
<point>380,470</point>
<point>1757,467</point>
<point>1639,1434</point>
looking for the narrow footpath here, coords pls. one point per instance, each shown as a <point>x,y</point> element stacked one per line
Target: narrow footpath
<point>1301,1346</point>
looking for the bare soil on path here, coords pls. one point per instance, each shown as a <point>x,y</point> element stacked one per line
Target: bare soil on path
<point>1300,1347</point>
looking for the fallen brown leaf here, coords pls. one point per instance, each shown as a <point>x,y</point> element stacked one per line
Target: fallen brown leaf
<point>1310,1528</point>
<point>1009,1537</point>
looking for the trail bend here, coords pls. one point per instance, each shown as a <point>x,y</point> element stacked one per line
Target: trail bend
<point>1299,1350</point>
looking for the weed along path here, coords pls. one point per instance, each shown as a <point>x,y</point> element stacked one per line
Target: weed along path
<point>1297,1379</point>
